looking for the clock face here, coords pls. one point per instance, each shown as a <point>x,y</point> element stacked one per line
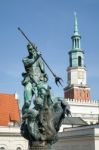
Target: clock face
<point>80,74</point>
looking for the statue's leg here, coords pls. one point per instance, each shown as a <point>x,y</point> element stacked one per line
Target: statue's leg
<point>28,92</point>
<point>27,98</point>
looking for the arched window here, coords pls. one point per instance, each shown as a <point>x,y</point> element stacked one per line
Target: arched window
<point>1,148</point>
<point>18,148</point>
<point>79,61</point>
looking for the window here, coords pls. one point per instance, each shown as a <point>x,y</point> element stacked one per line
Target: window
<point>19,148</point>
<point>1,148</point>
<point>79,61</point>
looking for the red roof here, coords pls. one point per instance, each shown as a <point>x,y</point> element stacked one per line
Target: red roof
<point>9,109</point>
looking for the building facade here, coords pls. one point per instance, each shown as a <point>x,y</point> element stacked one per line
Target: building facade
<point>77,92</point>
<point>88,111</point>
<point>10,118</point>
<point>11,139</point>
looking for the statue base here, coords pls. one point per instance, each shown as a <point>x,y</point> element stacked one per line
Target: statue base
<point>38,145</point>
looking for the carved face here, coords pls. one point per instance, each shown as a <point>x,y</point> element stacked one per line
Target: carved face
<point>31,51</point>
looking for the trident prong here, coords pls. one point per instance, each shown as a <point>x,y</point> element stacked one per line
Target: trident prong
<point>58,80</point>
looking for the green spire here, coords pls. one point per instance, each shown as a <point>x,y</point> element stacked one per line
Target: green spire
<point>75,25</point>
<point>76,36</point>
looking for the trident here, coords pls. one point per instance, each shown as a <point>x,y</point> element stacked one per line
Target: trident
<point>57,79</point>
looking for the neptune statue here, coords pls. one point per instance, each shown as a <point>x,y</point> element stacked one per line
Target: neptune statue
<point>41,120</point>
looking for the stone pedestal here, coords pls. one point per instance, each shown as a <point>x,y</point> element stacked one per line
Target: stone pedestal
<point>39,145</point>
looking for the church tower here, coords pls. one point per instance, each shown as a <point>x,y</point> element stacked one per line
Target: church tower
<point>76,72</point>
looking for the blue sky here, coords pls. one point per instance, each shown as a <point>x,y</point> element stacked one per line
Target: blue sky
<point>49,24</point>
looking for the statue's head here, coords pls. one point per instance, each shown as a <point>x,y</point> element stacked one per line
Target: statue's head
<point>31,48</point>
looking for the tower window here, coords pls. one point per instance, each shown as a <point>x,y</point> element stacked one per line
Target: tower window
<point>75,43</point>
<point>79,60</point>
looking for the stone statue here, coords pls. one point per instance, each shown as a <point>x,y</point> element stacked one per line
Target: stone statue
<point>35,72</point>
<point>41,123</point>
